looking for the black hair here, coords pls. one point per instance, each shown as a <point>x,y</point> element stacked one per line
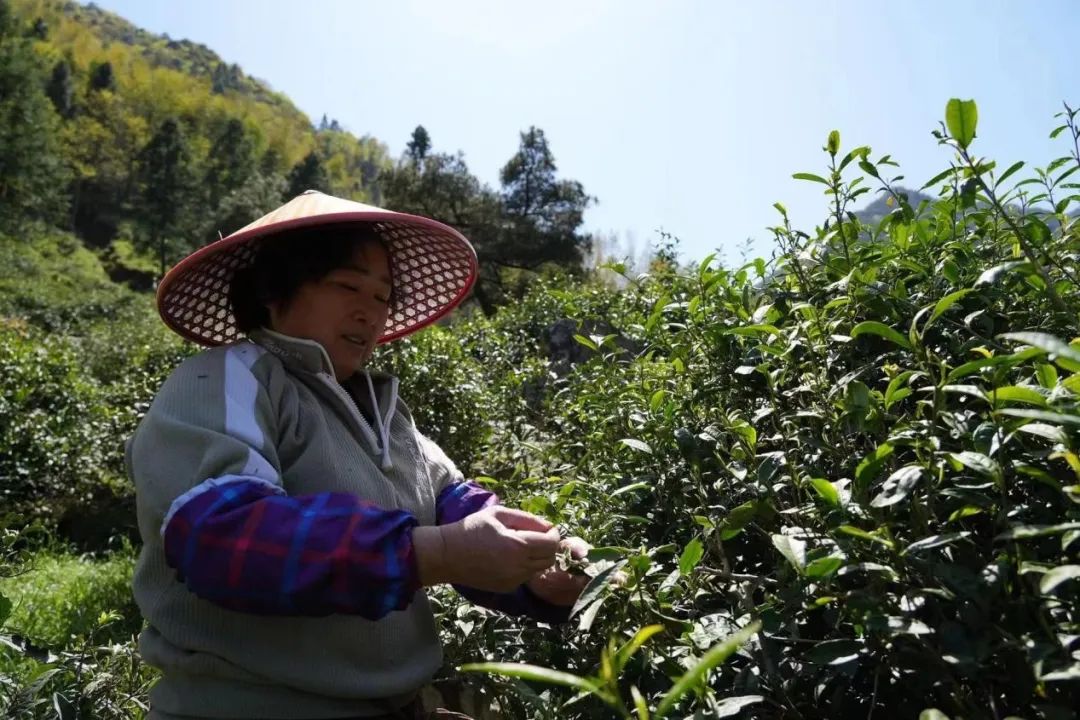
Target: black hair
<point>285,262</point>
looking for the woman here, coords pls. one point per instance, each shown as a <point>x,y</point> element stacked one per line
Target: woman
<point>291,513</point>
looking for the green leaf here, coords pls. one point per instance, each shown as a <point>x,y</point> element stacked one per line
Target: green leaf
<point>691,556</point>
<point>640,705</point>
<point>939,177</point>
<point>811,177</point>
<point>947,302</point>
<point>859,533</point>
<point>1057,576</point>
<point>1069,674</point>
<point>934,541</point>
<point>737,519</point>
<point>1047,375</point>
<point>826,491</point>
<point>732,706</point>
<point>894,393</point>
<point>932,714</point>
<point>978,462</point>
<point>833,144</point>
<point>5,609</point>
<point>1048,343</point>
<point>657,400</point>
<point>824,566</point>
<point>752,330</point>
<point>966,511</point>
<point>869,567</point>
<point>898,486</point>
<point>718,654</point>
<point>991,276</point>
<point>1012,169</point>
<point>873,327</point>
<point>632,645</point>
<point>595,587</point>
<point>793,549</point>
<point>631,488</point>
<point>587,618</point>
<point>1046,415</point>
<point>961,117</point>
<point>536,674</point>
<point>637,445</point>
<point>703,266</point>
<point>582,340</point>
<point>1017,393</point>
<point>1026,532</point>
<point>1051,432</point>
<point>870,465</point>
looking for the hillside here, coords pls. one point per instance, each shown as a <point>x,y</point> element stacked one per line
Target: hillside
<point>161,143</point>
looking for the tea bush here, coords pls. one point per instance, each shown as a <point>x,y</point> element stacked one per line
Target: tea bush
<point>841,482</point>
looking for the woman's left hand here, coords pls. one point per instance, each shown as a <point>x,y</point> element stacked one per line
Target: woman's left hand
<point>559,587</point>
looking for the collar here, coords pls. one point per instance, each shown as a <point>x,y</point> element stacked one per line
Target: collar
<point>376,390</point>
<point>299,354</point>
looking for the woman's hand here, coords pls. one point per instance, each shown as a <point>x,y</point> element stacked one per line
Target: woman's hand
<point>495,549</point>
<point>559,587</point>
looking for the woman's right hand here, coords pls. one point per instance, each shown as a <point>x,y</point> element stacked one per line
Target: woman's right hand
<point>496,549</point>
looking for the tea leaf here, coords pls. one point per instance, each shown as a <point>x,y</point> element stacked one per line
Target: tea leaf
<point>1057,576</point>
<point>793,549</point>
<point>961,117</point>
<point>873,327</point>
<point>718,654</point>
<point>691,556</point>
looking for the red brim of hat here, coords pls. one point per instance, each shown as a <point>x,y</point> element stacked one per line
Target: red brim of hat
<point>434,268</point>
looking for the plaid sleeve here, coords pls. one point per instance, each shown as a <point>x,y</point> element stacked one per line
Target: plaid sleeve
<point>461,499</point>
<point>245,545</point>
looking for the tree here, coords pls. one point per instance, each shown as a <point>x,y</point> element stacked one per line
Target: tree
<point>547,213</point>
<point>419,145</point>
<point>257,196</point>
<point>33,178</point>
<point>102,77</point>
<point>535,221</point>
<point>231,161</point>
<point>60,89</point>
<point>308,174</point>
<point>168,182</point>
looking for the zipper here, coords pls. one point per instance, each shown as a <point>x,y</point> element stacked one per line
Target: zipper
<point>354,411</point>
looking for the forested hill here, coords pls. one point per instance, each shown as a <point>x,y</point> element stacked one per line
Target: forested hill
<point>158,142</point>
<point>145,148</point>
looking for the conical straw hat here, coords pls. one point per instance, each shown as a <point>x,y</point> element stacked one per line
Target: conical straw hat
<point>433,268</point>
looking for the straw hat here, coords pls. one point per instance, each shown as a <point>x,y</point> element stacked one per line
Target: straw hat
<point>433,268</point>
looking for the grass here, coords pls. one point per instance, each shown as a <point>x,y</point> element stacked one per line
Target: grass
<point>63,597</point>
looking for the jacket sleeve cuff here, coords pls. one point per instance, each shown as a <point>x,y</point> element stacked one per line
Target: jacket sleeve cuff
<point>521,602</point>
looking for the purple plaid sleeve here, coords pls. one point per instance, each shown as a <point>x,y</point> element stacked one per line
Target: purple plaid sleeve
<point>245,545</point>
<point>461,499</point>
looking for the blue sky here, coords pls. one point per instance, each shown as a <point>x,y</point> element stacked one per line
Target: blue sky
<point>685,116</point>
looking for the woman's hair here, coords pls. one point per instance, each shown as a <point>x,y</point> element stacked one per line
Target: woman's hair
<point>285,262</point>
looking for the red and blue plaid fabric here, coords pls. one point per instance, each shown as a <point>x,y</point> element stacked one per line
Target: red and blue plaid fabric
<point>246,546</point>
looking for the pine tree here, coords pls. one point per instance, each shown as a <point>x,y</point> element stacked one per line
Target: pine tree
<point>102,77</point>
<point>168,182</point>
<point>419,144</point>
<point>231,161</point>
<point>33,178</point>
<point>308,174</point>
<point>60,89</point>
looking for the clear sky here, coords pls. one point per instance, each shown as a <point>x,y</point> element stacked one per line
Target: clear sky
<point>686,116</point>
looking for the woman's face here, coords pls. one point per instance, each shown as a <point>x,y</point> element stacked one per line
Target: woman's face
<point>345,311</point>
